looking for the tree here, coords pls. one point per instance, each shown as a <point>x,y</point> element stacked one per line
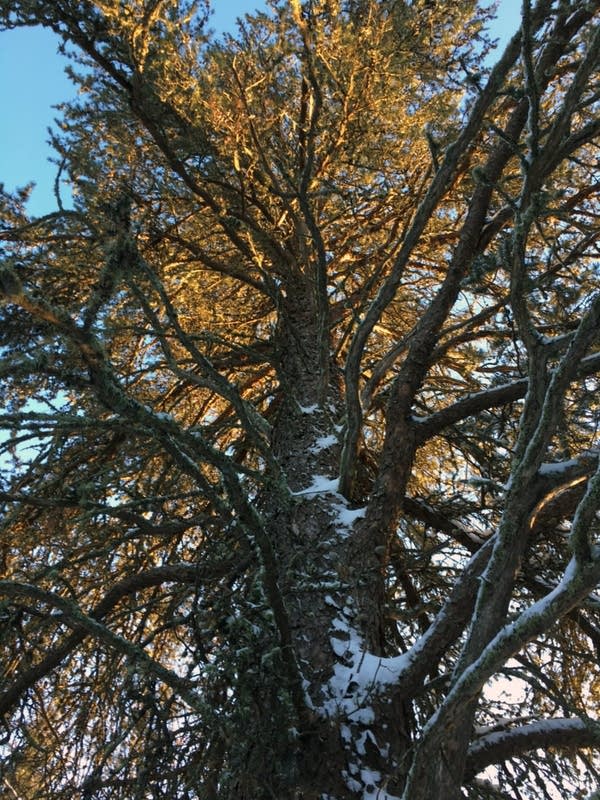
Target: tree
<point>300,480</point>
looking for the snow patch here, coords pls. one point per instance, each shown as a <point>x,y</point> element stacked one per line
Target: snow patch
<point>372,790</point>
<point>309,409</point>
<point>346,517</point>
<point>558,467</point>
<point>358,676</point>
<point>351,783</point>
<point>323,443</point>
<point>320,485</point>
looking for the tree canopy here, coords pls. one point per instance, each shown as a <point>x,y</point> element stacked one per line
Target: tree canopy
<point>300,480</point>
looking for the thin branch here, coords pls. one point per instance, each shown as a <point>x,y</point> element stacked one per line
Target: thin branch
<point>85,625</point>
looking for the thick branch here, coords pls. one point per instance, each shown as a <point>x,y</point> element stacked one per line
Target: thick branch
<point>448,625</point>
<point>469,406</point>
<point>567,734</point>
<point>576,584</point>
<point>496,397</point>
<point>436,191</point>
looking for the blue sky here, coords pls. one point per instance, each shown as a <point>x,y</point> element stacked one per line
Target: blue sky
<point>32,80</point>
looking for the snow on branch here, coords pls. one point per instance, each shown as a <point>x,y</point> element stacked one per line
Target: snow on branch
<point>564,733</point>
<point>577,582</point>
